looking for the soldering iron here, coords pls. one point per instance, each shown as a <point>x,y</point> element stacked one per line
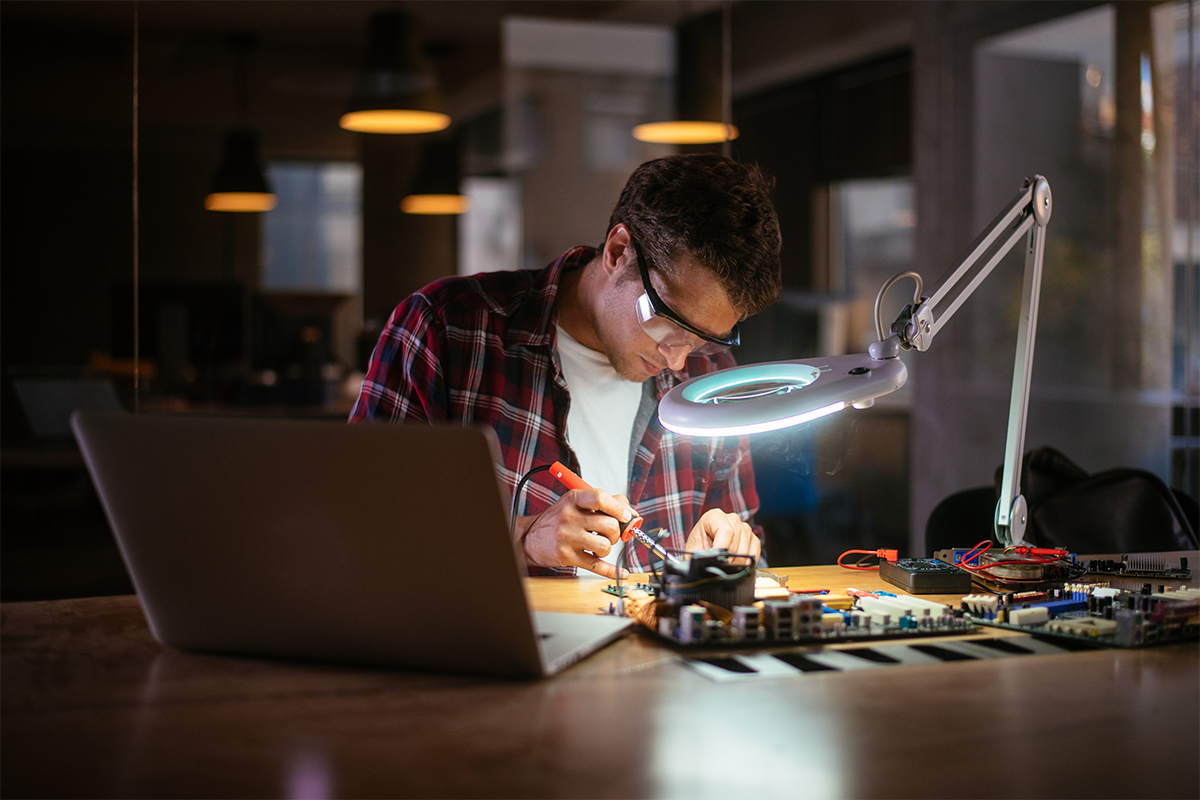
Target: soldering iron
<point>632,528</point>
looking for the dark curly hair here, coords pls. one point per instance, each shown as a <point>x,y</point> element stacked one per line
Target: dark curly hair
<point>714,209</point>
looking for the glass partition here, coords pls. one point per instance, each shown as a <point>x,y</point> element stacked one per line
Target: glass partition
<point>1088,101</point>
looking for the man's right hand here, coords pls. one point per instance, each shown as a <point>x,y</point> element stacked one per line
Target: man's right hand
<point>579,530</point>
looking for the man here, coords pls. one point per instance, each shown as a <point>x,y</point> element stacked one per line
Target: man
<point>568,364</point>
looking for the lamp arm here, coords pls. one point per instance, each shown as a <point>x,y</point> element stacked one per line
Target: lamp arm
<point>927,317</point>
<point>918,324</point>
<point>1011,512</point>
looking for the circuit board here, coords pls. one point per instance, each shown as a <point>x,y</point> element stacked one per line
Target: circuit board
<point>1140,567</point>
<point>795,619</point>
<point>1094,613</point>
<point>709,599</point>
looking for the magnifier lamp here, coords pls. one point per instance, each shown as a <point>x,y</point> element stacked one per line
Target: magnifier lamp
<point>770,396</point>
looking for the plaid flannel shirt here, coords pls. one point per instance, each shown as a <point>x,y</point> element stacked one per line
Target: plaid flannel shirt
<point>482,350</point>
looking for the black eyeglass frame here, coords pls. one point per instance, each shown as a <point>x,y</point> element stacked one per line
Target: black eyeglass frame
<point>660,308</point>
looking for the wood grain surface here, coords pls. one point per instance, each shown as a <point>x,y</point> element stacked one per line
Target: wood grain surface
<point>93,706</point>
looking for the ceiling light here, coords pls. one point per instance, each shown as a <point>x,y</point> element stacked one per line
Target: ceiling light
<point>241,183</point>
<point>391,90</point>
<point>394,120</point>
<point>436,188</point>
<point>700,87</point>
<point>435,204</point>
<point>685,132</point>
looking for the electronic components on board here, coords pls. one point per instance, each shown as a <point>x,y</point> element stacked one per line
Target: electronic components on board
<point>1140,567</point>
<point>1096,613</point>
<point>717,603</point>
<point>712,598</point>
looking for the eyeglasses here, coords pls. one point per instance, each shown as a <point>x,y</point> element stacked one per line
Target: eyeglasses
<point>669,329</point>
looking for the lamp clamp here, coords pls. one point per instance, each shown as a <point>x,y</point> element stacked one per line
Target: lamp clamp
<point>913,326</point>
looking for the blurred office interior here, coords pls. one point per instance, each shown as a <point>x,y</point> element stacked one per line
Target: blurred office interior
<point>895,131</point>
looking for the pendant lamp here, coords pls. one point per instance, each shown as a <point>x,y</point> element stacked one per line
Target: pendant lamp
<point>702,82</point>
<point>241,183</point>
<point>436,189</point>
<point>390,90</point>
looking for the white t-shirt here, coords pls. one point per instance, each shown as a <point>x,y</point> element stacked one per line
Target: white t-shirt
<point>600,421</point>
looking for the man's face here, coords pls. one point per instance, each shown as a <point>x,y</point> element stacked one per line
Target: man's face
<point>690,290</point>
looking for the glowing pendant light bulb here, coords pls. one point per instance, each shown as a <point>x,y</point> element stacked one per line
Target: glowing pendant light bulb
<point>388,90</point>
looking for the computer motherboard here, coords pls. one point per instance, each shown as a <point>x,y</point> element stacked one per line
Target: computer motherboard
<point>1094,612</point>
<point>711,600</point>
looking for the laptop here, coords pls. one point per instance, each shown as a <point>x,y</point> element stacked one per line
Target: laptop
<point>368,544</point>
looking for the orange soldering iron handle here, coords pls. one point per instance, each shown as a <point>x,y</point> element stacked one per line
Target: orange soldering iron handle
<point>566,477</point>
<point>572,481</point>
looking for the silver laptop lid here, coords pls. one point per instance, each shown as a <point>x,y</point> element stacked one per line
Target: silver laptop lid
<point>381,544</point>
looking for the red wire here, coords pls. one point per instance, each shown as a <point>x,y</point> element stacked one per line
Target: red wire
<point>986,544</point>
<point>981,548</point>
<point>979,567</point>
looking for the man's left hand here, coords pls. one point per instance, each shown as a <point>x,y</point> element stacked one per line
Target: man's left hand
<point>718,528</point>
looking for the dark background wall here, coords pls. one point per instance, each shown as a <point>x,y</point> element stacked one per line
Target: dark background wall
<point>823,91</point>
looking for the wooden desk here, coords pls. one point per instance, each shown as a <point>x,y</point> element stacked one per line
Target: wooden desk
<point>93,706</point>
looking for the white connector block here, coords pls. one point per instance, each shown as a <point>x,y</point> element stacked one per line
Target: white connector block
<point>1028,617</point>
<point>905,606</point>
<point>833,621</point>
<point>1182,593</point>
<point>981,605</point>
<point>1083,626</point>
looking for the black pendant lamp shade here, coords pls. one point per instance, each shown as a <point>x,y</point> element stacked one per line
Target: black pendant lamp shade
<point>390,90</point>
<point>702,86</point>
<point>436,190</point>
<point>241,183</point>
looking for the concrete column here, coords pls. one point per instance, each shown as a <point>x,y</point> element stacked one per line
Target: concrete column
<point>1133,39</point>
<point>401,252</point>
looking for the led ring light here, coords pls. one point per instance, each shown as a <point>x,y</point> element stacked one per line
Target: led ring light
<point>766,397</point>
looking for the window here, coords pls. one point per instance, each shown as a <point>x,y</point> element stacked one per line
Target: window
<point>871,224</point>
<point>313,238</point>
<point>489,238</point>
<point>1106,91</point>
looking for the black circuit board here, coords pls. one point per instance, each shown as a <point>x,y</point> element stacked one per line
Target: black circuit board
<point>800,619</point>
<point>1140,567</point>
<point>1094,615</point>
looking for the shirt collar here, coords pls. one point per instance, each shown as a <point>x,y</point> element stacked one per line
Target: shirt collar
<point>534,324</point>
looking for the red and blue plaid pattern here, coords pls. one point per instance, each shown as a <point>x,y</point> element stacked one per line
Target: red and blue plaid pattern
<point>481,350</point>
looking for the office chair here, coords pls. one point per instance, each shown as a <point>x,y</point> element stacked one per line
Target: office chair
<point>1120,510</point>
